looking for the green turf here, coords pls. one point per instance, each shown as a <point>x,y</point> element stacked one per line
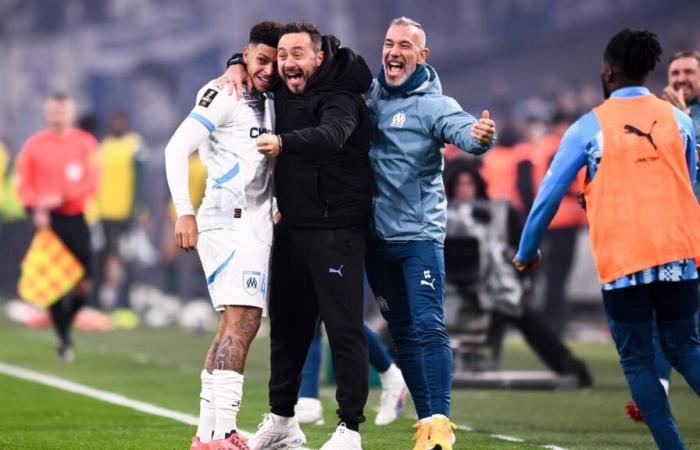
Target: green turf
<point>39,417</point>
<point>162,367</point>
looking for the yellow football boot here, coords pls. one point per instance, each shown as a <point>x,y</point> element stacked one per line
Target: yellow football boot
<point>442,436</point>
<point>422,435</point>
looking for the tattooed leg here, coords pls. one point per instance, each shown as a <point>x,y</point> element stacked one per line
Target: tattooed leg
<point>241,326</point>
<point>211,353</point>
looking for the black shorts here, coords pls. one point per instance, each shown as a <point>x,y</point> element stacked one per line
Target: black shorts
<point>74,232</point>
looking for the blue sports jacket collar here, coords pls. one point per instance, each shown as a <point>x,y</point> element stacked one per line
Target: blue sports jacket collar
<point>417,78</point>
<point>629,91</point>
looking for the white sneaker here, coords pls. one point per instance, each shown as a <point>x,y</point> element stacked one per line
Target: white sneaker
<point>343,439</point>
<point>309,410</point>
<point>277,433</point>
<point>394,392</point>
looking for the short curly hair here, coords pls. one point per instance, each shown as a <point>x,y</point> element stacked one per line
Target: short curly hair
<point>267,32</point>
<point>633,53</point>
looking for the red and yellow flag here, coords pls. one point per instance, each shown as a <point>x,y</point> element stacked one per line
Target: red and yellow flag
<point>49,270</point>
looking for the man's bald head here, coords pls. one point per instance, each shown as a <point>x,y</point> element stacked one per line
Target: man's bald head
<point>404,48</point>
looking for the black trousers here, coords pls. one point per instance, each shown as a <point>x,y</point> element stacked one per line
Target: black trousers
<point>318,273</point>
<point>558,260</point>
<point>75,234</point>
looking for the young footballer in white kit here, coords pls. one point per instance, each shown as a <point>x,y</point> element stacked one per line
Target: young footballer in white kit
<point>233,229</point>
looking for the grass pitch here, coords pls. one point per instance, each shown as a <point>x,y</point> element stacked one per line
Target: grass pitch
<point>162,367</point>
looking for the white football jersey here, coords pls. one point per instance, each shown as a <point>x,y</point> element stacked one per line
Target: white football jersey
<point>239,191</point>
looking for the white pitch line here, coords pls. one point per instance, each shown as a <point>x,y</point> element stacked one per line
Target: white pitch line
<point>105,396</point>
<point>505,437</point>
<point>148,408</point>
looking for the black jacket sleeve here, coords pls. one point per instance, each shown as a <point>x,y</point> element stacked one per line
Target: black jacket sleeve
<point>339,116</point>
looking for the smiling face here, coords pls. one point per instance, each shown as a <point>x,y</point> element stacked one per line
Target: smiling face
<point>684,75</point>
<point>261,64</point>
<point>297,59</point>
<point>404,48</point>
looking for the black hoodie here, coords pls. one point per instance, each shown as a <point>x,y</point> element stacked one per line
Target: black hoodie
<point>322,176</point>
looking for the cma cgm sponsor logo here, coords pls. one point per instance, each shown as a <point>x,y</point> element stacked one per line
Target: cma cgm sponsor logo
<point>252,281</point>
<point>255,132</point>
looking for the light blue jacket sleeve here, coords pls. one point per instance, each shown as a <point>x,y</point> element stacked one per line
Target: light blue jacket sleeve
<point>690,140</point>
<point>568,160</point>
<point>450,124</point>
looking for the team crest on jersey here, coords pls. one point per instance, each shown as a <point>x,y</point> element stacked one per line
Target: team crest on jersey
<point>208,97</point>
<point>398,120</point>
<point>252,282</point>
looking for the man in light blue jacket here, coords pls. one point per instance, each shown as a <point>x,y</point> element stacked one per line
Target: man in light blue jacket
<point>412,121</point>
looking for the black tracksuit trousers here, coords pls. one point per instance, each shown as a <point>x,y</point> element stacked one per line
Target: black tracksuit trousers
<point>318,273</point>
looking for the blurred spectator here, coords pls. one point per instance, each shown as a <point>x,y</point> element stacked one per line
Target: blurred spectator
<point>15,230</point>
<point>507,169</point>
<point>684,84</point>
<point>4,163</point>
<point>497,226</point>
<point>90,123</point>
<point>119,202</point>
<point>559,246</point>
<point>56,173</point>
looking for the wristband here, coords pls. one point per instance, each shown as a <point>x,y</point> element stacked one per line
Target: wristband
<point>235,59</point>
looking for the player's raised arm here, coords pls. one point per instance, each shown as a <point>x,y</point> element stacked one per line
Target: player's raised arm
<point>567,162</point>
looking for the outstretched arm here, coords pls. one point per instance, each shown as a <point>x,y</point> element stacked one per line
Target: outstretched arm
<point>568,160</point>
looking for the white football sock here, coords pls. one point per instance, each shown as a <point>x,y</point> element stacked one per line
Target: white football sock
<point>205,429</point>
<point>390,376</point>
<point>228,391</point>
<point>281,420</point>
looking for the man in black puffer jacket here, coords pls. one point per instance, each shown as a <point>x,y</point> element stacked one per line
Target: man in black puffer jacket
<point>322,175</point>
<point>323,187</point>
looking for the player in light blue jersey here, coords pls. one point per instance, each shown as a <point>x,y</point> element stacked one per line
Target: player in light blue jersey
<point>233,229</point>
<point>645,278</point>
<point>682,92</point>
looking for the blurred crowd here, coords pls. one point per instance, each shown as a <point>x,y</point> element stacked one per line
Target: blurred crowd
<point>131,225</point>
<point>131,218</point>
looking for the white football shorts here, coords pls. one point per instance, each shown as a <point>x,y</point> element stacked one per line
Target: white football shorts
<point>236,267</point>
